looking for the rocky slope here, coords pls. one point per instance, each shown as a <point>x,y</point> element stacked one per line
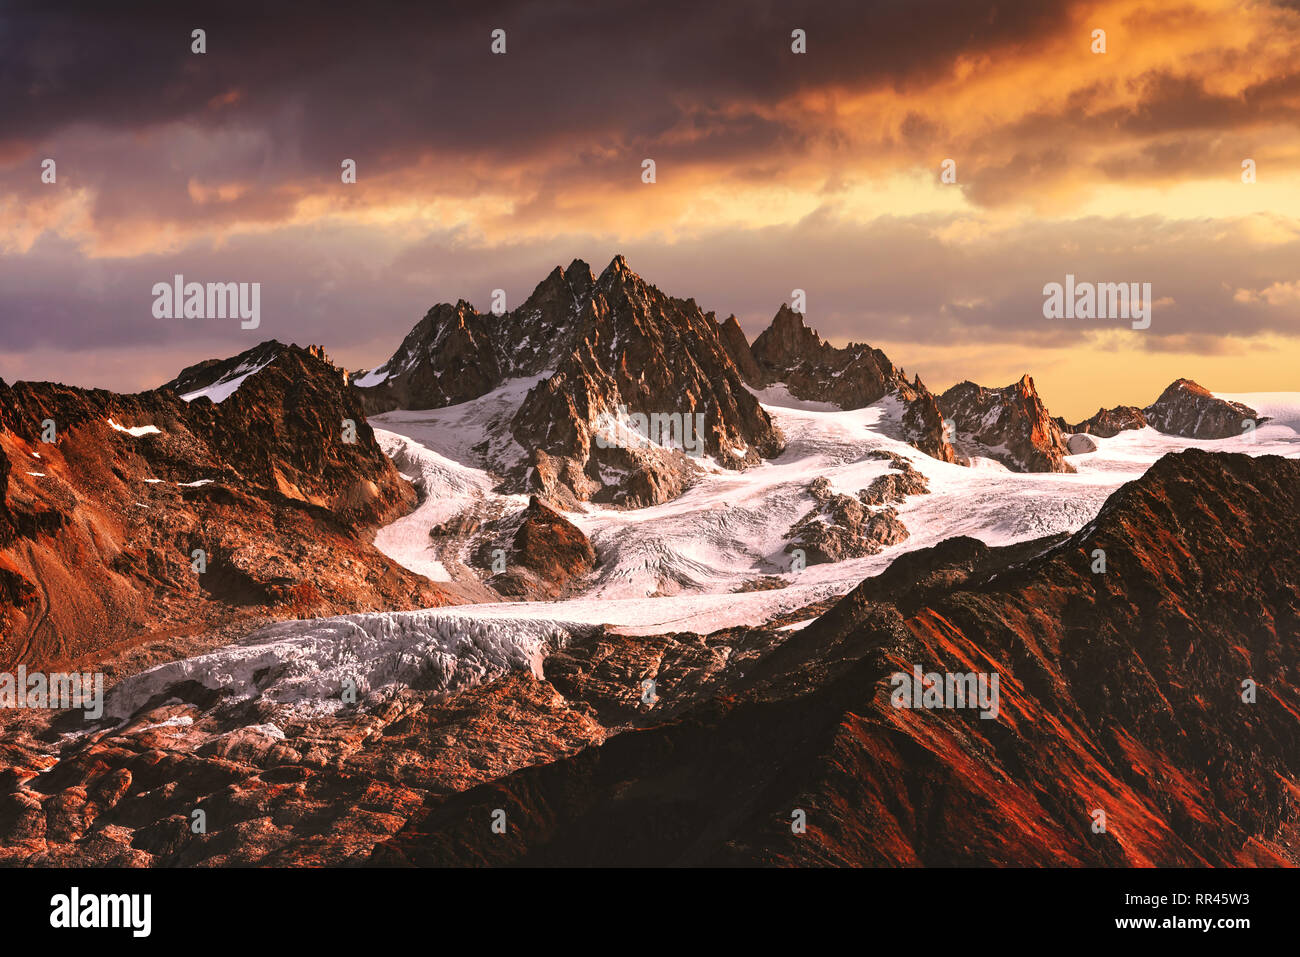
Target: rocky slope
<point>737,346</point>
<point>853,377</point>
<point>843,526</point>
<point>548,555</point>
<point>608,350</point>
<point>1010,425</point>
<point>101,525</point>
<point>1120,692</point>
<point>215,379</point>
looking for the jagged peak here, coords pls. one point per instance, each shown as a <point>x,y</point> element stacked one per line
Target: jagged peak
<point>573,281</point>
<point>581,269</point>
<point>788,315</point>
<point>618,267</point>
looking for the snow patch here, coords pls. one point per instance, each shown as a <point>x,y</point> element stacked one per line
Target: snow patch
<point>137,430</point>
<point>679,566</point>
<point>446,488</point>
<point>371,379</point>
<point>225,387</point>
<point>176,721</point>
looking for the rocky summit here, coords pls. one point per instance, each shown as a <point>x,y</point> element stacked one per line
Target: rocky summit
<point>1189,409</point>
<point>634,387</point>
<point>1010,425</point>
<point>1109,423</point>
<point>1185,408</point>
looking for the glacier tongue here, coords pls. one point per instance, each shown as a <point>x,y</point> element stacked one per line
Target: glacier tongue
<point>303,665</point>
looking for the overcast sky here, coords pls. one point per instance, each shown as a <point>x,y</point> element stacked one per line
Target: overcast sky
<point>775,171</point>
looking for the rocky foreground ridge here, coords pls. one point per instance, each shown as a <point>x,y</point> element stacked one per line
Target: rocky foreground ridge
<point>1121,692</point>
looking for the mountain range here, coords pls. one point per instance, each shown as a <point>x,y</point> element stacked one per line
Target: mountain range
<point>640,648</point>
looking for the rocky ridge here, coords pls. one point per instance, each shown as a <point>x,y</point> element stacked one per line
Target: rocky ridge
<point>1188,409</point>
<point>853,377</point>
<point>101,524</point>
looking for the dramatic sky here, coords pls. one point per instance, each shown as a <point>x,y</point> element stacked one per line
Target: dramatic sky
<point>775,171</point>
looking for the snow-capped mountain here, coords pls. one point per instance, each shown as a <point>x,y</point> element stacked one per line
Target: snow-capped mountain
<point>1185,408</point>
<point>455,353</point>
<point>604,350</point>
<point>217,379</point>
<point>746,620</point>
<point>253,468</point>
<point>1108,422</point>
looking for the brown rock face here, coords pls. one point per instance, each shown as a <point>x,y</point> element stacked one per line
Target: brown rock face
<point>923,425</point>
<point>651,355</point>
<point>842,526</point>
<point>1010,425</point>
<point>7,405</point>
<point>458,360</point>
<point>218,376</point>
<point>1108,423</point>
<point>104,523</point>
<point>853,377</point>
<point>549,553</point>
<point>894,487</point>
<point>287,428</point>
<point>1192,411</point>
<point>612,347</point>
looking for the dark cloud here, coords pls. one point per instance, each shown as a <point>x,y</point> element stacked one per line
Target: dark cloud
<point>395,79</point>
